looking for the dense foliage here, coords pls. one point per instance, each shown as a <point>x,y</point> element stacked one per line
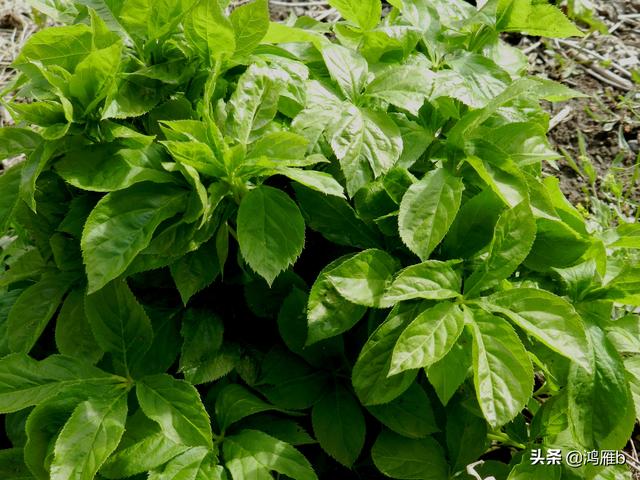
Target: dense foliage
<point>239,249</point>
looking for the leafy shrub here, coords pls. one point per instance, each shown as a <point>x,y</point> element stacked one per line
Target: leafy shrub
<point>238,247</point>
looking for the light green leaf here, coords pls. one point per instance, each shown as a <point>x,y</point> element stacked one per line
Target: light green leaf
<point>369,375</point>
<point>33,309</point>
<point>431,280</point>
<point>73,333</point>
<point>109,167</point>
<point>253,454</point>
<point>539,19</point>
<point>176,406</point>
<point>595,393</point>
<point>141,456</point>
<point>364,13</point>
<point>318,181</point>
<point>270,231</point>
<point>367,144</point>
<point>502,371</point>
<point>548,318</point>
<point>119,323</point>
<point>406,87</point>
<point>193,464</point>
<point>329,313</point>
<point>121,226</point>
<point>250,24</point>
<point>428,209</point>
<point>61,46</point>
<point>234,402</point>
<point>254,103</point>
<point>473,79</point>
<point>411,459</point>
<point>90,435</point>
<point>513,237</point>
<point>409,415</point>
<point>210,31</point>
<point>95,76</point>
<point>15,141</point>
<point>363,278</point>
<point>25,382</point>
<point>428,338</point>
<point>339,426</point>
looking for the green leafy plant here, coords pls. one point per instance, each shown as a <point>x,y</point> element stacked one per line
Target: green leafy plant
<point>242,249</point>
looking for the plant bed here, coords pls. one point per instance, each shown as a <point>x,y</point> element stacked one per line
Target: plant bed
<point>243,249</point>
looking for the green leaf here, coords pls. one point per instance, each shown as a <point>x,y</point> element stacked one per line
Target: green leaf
<point>339,426</point>
<point>549,233</point>
<point>502,371</point>
<point>447,374</point>
<point>90,435</point>
<point>428,338</point>
<point>473,79</point>
<point>427,211</point>
<point>234,402</point>
<point>431,280</point>
<point>283,429</point>
<point>250,24</point>
<point>73,333</point>
<point>329,313</point>
<point>15,141</point>
<point>318,181</point>
<point>254,103</point>
<point>210,31</point>
<point>408,458</point>
<point>195,463</point>
<point>253,454</point>
<point>540,19</point>
<point>176,406</point>
<point>9,184</point>
<point>95,76</point>
<point>347,68</point>
<point>409,415</point>
<point>111,167</point>
<point>204,358</point>
<point>33,309</point>
<point>195,271</point>
<point>525,470</point>
<point>513,237</point>
<point>119,323</point>
<point>121,226</point>
<point>466,435</point>
<point>270,231</point>
<point>12,465</point>
<point>369,375</point>
<point>363,278</point>
<point>548,318</point>
<point>365,13</point>
<point>25,382</point>
<point>289,382</point>
<point>595,393</point>
<point>335,219</point>
<point>367,144</point>
<point>44,48</point>
<point>141,456</point>
<point>406,87</point>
